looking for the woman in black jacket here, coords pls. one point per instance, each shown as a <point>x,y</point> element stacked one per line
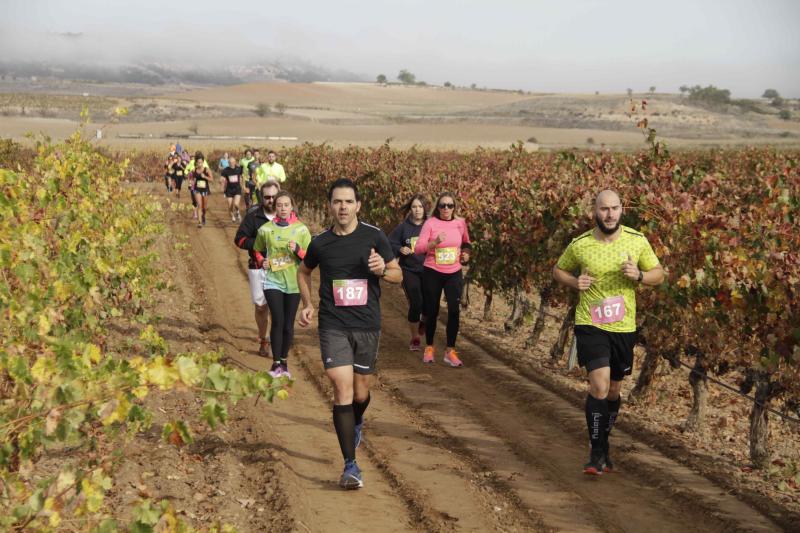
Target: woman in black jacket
<point>403,238</point>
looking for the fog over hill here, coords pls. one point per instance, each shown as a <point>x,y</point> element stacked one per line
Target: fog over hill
<point>162,74</point>
<point>155,59</point>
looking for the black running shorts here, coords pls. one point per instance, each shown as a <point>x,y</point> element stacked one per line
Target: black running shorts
<point>598,348</point>
<point>342,347</point>
<point>233,190</point>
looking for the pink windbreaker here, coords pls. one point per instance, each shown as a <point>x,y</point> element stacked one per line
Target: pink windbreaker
<point>456,235</point>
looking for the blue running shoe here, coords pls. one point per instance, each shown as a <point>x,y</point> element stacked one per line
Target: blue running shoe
<point>359,429</point>
<point>351,477</point>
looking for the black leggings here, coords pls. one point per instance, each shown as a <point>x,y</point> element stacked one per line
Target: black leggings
<point>412,285</point>
<point>433,283</point>
<point>283,308</point>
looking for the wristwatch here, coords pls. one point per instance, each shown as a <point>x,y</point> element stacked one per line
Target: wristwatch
<point>641,276</point>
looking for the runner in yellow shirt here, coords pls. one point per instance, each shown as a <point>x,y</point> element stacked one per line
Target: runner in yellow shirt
<point>605,265</point>
<point>271,169</point>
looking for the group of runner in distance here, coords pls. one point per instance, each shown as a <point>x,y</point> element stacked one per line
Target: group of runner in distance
<point>425,253</point>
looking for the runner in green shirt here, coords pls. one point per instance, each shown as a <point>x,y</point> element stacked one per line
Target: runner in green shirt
<point>606,265</point>
<point>282,244</point>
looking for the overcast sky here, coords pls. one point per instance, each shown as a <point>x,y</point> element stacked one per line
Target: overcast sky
<point>540,45</point>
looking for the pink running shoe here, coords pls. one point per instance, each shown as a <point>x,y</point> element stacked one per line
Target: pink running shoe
<point>427,357</point>
<point>415,345</point>
<point>451,358</point>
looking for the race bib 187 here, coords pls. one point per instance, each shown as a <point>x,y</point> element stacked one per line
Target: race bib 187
<point>348,292</point>
<point>446,256</point>
<point>608,311</point>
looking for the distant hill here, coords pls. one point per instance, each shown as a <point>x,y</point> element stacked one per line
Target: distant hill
<point>162,74</point>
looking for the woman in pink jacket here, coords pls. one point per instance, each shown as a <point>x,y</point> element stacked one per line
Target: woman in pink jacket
<point>444,240</point>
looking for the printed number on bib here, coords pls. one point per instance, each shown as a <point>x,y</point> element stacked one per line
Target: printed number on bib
<point>446,256</point>
<point>280,262</point>
<point>179,173</point>
<point>201,184</point>
<point>233,179</point>
<point>348,292</point>
<point>608,311</point>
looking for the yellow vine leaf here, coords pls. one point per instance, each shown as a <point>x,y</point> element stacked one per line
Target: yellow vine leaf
<point>91,354</point>
<point>41,370</point>
<point>62,291</point>
<point>44,325</point>
<point>65,479</point>
<point>161,373</point>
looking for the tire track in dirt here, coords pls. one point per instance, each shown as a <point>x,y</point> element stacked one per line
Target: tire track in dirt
<point>430,490</point>
<point>546,433</point>
<point>479,448</point>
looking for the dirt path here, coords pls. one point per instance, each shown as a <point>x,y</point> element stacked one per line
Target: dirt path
<point>478,448</point>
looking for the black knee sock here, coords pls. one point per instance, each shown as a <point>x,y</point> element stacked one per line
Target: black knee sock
<point>359,408</point>
<point>613,411</point>
<point>596,420</point>
<point>344,422</point>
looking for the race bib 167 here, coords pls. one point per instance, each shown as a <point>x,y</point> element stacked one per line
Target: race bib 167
<point>608,311</point>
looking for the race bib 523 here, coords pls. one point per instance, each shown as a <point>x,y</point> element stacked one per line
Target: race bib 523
<point>446,256</point>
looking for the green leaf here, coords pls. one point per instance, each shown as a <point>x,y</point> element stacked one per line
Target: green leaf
<point>146,514</point>
<point>213,412</point>
<point>108,525</point>
<point>188,370</point>
<point>18,369</point>
<point>216,375</point>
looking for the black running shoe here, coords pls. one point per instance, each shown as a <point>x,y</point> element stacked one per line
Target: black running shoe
<point>595,465</point>
<point>608,466</point>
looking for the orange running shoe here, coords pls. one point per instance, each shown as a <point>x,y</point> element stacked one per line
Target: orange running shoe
<point>451,358</point>
<point>427,357</point>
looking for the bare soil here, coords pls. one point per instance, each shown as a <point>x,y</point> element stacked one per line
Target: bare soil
<point>368,114</point>
<point>479,448</point>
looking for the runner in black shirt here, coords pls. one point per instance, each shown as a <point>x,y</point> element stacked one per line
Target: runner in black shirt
<point>177,169</point>
<point>168,173</point>
<point>403,239</point>
<point>232,185</point>
<point>352,256</point>
<point>202,187</point>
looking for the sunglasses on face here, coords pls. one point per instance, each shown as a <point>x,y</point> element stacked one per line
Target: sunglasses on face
<point>447,206</point>
<point>269,197</point>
